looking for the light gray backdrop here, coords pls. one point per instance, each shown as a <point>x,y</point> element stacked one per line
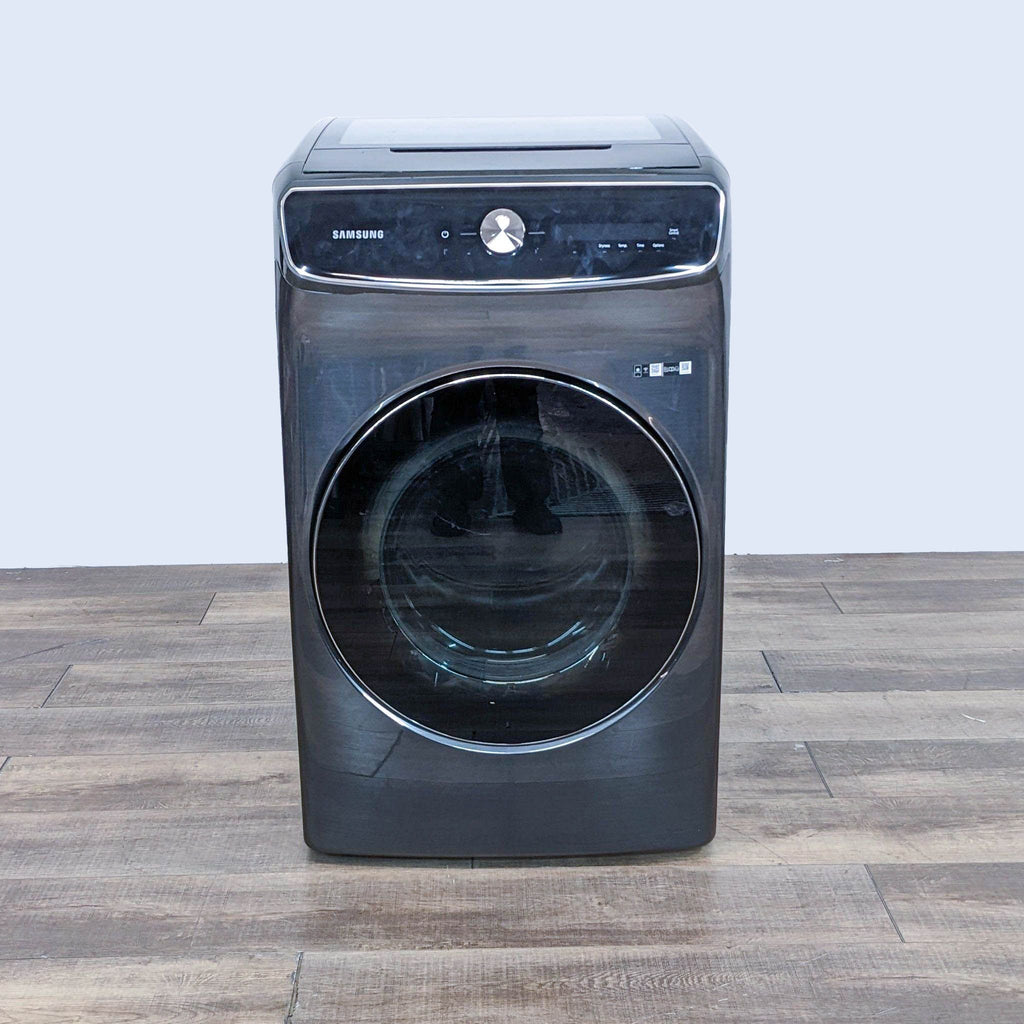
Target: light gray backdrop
<point>875,150</point>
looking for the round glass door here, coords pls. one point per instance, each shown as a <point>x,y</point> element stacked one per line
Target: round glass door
<point>506,558</point>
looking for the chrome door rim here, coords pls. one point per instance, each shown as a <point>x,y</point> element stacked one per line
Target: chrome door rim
<point>372,424</point>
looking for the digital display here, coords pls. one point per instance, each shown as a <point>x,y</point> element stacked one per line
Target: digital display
<point>650,232</point>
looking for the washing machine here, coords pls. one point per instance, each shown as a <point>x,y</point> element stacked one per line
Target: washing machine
<point>503,361</point>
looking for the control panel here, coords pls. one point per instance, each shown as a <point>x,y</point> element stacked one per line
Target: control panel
<point>502,234</point>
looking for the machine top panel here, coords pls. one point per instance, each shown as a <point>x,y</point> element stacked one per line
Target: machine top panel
<point>408,145</point>
<point>495,236</point>
<point>458,132</point>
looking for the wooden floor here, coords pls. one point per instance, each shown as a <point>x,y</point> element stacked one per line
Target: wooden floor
<point>869,863</point>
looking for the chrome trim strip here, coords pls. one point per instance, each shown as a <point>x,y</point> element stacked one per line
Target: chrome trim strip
<point>368,427</point>
<point>504,284</point>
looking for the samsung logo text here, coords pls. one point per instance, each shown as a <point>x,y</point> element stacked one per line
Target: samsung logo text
<point>346,233</point>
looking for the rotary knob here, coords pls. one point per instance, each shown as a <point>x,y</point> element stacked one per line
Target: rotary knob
<point>503,232</point>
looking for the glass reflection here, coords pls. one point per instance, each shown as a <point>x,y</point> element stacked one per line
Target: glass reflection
<point>525,469</point>
<point>481,574</point>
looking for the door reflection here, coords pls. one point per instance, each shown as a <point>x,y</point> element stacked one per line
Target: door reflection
<point>525,469</point>
<point>512,596</point>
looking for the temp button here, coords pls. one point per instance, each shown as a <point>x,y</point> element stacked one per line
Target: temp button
<point>503,232</point>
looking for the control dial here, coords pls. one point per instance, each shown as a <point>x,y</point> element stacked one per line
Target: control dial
<point>503,231</point>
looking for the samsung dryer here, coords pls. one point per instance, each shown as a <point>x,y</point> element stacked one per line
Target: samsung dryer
<point>503,356</point>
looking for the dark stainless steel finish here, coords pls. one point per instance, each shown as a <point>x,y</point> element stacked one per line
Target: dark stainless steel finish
<point>530,145</point>
<point>502,540</point>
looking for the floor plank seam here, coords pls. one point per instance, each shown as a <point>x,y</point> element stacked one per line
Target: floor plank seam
<point>3,763</point>
<point>293,1001</point>
<point>47,650</point>
<point>196,705</point>
<point>208,607</point>
<point>687,873</point>
<point>817,768</point>
<point>823,947</point>
<point>885,905</point>
<point>67,669</point>
<point>133,755</point>
<point>192,705</point>
<point>832,598</point>
<point>775,678</point>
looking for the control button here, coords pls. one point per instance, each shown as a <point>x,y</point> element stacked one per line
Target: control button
<point>503,231</point>
<point>445,234</point>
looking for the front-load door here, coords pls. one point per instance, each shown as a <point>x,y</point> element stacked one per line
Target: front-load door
<point>506,558</point>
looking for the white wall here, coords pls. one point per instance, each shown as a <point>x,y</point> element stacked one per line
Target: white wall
<point>876,160</point>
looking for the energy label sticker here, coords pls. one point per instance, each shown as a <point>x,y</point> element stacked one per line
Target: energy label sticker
<point>662,369</point>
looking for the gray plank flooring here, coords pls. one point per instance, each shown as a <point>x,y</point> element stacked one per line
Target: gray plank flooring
<point>945,566</point>
<point>246,988</point>
<point>30,685</point>
<point>928,596</point>
<point>892,714</point>
<point>765,984</point>
<point>128,684</point>
<point>371,907</point>
<point>142,730</point>
<point>869,862</point>
<point>884,770</point>
<point>145,642</point>
<point>945,903</point>
<point>95,581</point>
<point>917,631</point>
<point>899,669</point>
<point>746,672</point>
<point>106,610</point>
